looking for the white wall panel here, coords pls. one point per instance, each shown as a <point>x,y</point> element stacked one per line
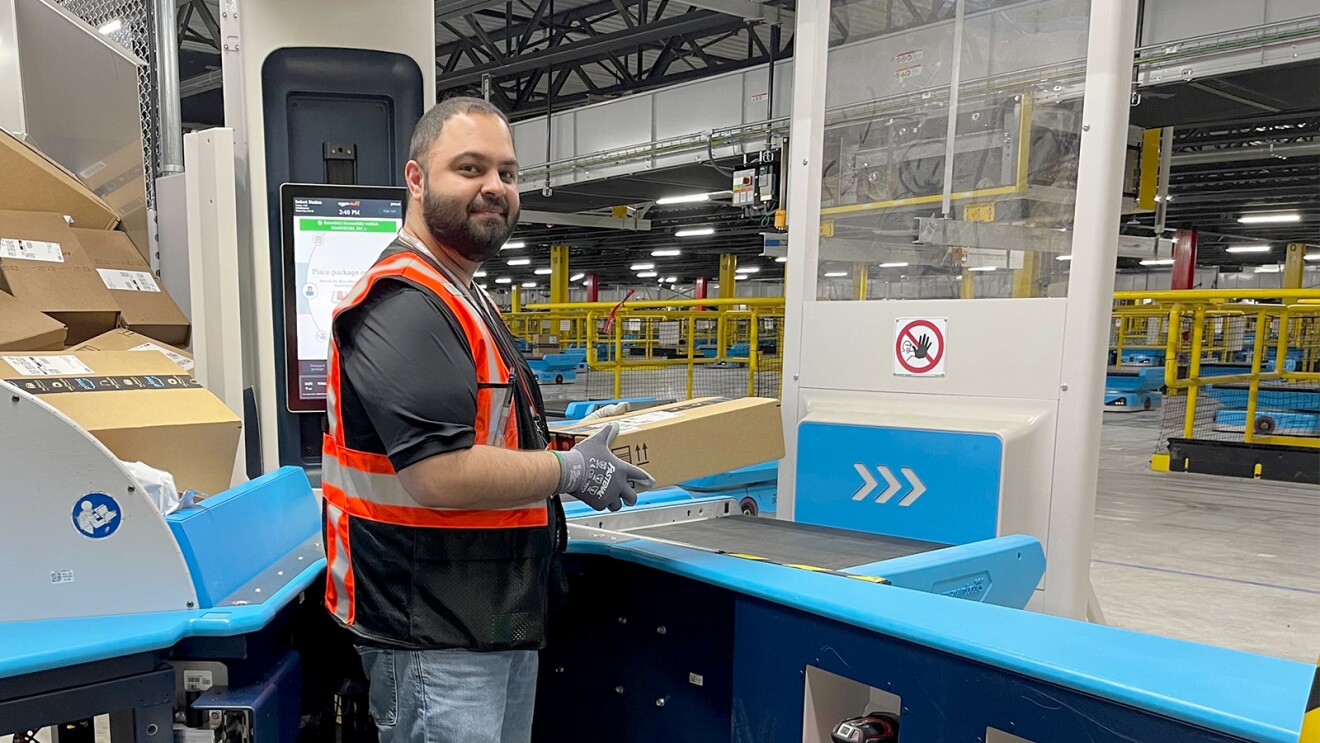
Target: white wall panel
<point>622,123</point>
<point>851,347</point>
<point>684,109</point>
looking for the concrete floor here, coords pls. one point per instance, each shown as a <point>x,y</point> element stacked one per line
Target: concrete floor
<point>1222,561</point>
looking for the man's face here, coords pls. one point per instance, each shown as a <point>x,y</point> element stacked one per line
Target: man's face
<point>470,186</point>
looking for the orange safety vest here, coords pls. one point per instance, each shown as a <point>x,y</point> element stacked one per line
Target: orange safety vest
<point>403,574</point>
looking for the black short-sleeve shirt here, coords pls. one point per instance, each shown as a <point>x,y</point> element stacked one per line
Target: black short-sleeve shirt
<point>407,370</point>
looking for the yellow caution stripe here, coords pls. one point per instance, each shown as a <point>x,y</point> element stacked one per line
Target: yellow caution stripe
<point>1311,718</point>
<point>812,568</point>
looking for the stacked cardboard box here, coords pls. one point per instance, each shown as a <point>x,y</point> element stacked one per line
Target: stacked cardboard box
<point>144,307</point>
<point>61,256</point>
<point>142,406</point>
<point>43,265</point>
<point>32,182</point>
<point>23,328</point>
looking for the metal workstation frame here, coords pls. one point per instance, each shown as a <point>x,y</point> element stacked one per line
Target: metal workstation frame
<point>849,421</point>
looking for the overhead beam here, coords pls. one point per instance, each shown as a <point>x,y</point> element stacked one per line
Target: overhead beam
<point>448,9</point>
<point>745,9</point>
<point>560,219</point>
<point>596,46</point>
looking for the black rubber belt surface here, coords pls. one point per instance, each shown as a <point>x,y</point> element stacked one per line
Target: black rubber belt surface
<point>789,542</point>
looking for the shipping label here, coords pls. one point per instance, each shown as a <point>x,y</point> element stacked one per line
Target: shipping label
<point>47,366</point>
<point>184,362</point>
<point>31,250</point>
<point>128,281</point>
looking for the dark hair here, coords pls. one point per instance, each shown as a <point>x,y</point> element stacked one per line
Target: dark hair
<point>428,129</point>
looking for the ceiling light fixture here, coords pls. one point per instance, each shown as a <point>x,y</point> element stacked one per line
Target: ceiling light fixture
<point>983,268</point>
<point>1269,218</point>
<point>647,274</point>
<point>1249,249</point>
<point>742,277</point>
<point>1063,257</point>
<point>543,271</point>
<point>1313,256</point>
<point>695,232</point>
<point>898,264</point>
<point>747,269</point>
<point>479,275</point>
<point>667,253</point>
<point>1157,262</point>
<point>671,280</point>
<point>1267,269</point>
<point>513,245</point>
<point>782,259</point>
<point>641,267</point>
<point>519,261</point>
<point>684,199</point>
<point>835,274</point>
<point>529,284</point>
<point>504,280</point>
<point>577,277</point>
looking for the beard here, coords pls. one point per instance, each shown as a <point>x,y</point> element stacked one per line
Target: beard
<point>457,226</point>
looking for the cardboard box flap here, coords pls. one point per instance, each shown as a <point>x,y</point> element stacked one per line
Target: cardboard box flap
<point>122,339</point>
<point>23,328</point>
<point>34,182</point>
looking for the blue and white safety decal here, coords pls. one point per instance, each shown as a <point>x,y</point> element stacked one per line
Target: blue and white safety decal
<point>96,515</point>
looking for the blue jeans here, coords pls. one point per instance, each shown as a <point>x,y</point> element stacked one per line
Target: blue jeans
<point>451,696</point>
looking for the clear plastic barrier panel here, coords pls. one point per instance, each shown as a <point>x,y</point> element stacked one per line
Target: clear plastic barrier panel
<point>914,206</point>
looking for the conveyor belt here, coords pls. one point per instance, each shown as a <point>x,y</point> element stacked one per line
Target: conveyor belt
<point>789,542</point>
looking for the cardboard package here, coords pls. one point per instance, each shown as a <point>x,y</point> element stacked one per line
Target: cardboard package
<point>24,329</point>
<point>126,340</point>
<point>695,438</point>
<point>144,306</point>
<point>543,345</point>
<point>43,265</point>
<point>30,181</point>
<point>141,406</point>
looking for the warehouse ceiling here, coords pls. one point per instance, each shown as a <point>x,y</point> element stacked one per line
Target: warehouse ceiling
<point>1244,143</point>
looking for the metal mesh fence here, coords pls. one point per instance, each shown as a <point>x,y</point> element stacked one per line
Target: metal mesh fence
<point>1235,403</point>
<point>677,357</point>
<point>136,33</point>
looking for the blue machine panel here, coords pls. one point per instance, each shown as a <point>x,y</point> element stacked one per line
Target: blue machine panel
<point>939,486</point>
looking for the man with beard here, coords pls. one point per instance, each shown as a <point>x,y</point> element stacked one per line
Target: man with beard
<point>443,525</point>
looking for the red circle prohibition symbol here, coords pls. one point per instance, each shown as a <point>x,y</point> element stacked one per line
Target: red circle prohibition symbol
<point>906,333</point>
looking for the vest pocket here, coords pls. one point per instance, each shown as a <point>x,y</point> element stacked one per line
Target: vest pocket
<point>484,589</point>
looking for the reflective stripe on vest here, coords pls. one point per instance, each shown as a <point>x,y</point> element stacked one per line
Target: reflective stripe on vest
<point>364,485</point>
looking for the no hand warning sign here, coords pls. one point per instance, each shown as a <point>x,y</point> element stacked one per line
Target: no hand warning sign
<point>919,346</point>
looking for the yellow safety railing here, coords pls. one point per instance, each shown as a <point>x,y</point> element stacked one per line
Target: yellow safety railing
<point>666,349</point>
<point>1215,341</point>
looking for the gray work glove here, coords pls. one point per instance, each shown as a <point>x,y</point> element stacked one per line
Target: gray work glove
<point>591,473</point>
<point>608,411</point>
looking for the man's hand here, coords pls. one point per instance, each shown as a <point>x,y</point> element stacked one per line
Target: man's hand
<point>591,473</point>
<point>608,411</point>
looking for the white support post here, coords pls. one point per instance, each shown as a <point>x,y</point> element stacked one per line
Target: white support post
<point>811,40</point>
<point>212,207</point>
<point>1090,296</point>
